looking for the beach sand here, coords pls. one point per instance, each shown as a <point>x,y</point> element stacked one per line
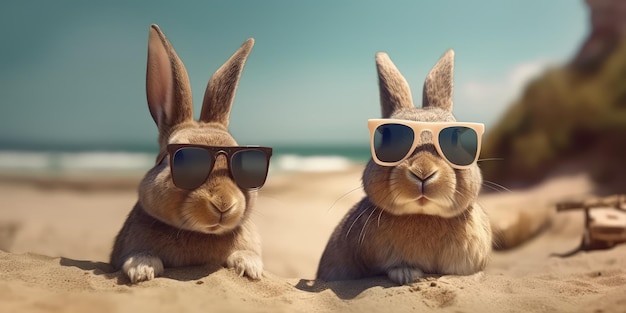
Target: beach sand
<point>56,234</point>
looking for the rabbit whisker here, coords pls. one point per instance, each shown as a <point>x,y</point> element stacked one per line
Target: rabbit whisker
<point>354,222</point>
<point>493,185</point>
<point>343,196</point>
<point>490,159</point>
<point>363,230</point>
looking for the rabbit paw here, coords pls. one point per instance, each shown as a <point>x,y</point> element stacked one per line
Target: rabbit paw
<point>404,275</point>
<point>142,268</point>
<point>246,262</point>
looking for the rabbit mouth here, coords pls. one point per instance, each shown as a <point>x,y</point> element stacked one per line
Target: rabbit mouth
<point>214,228</point>
<point>222,223</point>
<point>425,202</point>
<point>422,200</point>
<point>421,204</point>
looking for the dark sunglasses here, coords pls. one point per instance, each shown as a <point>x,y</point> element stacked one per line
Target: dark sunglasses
<point>393,140</point>
<point>192,164</point>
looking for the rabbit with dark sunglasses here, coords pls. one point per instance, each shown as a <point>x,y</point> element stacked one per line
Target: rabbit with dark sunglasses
<point>207,223</point>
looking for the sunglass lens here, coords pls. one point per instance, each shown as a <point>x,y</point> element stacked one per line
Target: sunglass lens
<point>392,142</point>
<point>191,167</point>
<point>249,168</point>
<point>459,144</point>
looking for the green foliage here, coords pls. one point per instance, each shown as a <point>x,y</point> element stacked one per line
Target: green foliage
<point>563,116</point>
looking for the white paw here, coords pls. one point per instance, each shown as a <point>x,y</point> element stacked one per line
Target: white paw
<point>142,267</point>
<point>246,262</point>
<point>404,275</point>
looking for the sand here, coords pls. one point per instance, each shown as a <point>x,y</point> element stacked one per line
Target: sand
<point>56,234</point>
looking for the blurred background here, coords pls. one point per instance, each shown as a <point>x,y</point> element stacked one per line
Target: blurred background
<point>572,117</point>
<point>72,74</point>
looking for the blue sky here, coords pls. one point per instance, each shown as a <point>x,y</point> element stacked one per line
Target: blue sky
<point>73,72</point>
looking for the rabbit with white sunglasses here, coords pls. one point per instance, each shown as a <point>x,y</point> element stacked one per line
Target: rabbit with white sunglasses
<point>420,214</point>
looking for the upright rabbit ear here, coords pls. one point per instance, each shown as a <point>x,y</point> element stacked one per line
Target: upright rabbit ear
<point>439,84</point>
<point>167,85</point>
<point>220,92</point>
<point>395,92</point>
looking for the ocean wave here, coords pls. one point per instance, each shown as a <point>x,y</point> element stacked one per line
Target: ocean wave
<point>24,160</point>
<point>78,161</point>
<point>321,163</point>
<point>104,161</point>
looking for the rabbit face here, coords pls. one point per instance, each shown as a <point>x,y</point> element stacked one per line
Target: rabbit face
<point>424,183</point>
<point>216,207</point>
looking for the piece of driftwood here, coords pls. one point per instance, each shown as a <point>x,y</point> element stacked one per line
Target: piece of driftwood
<point>605,222</point>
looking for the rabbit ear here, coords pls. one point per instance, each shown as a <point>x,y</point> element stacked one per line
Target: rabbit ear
<point>220,92</point>
<point>167,84</point>
<point>439,84</point>
<point>394,90</point>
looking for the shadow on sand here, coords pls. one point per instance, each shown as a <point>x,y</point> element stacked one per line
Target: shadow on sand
<point>188,273</point>
<point>345,290</point>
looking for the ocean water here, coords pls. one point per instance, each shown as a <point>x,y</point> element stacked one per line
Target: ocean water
<point>132,159</point>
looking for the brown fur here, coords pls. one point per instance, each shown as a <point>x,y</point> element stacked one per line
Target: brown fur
<point>170,227</point>
<point>174,246</point>
<point>392,231</point>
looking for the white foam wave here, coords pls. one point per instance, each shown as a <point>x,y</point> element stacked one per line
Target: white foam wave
<point>66,161</point>
<point>106,160</point>
<point>103,161</point>
<point>24,160</point>
<point>321,163</point>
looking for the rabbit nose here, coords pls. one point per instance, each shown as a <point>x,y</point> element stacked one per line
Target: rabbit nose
<point>421,177</point>
<point>223,207</point>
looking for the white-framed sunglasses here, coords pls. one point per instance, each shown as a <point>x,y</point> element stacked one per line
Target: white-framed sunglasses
<point>394,140</point>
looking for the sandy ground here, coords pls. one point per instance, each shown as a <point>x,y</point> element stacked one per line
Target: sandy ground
<point>58,232</point>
